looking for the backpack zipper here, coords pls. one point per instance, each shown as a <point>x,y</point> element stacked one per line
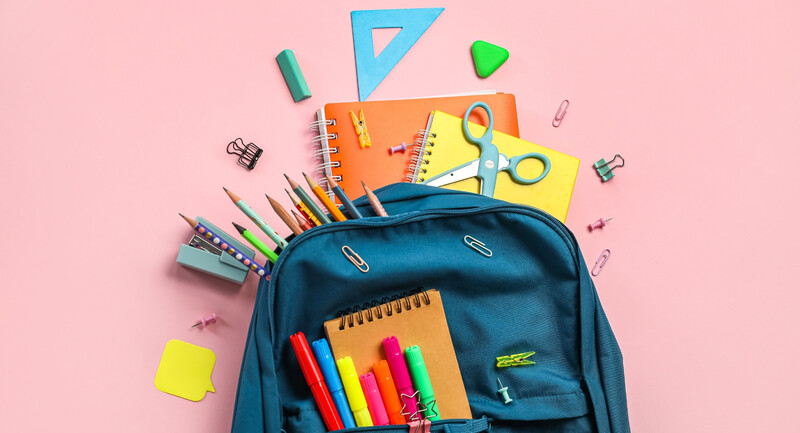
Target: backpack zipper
<point>555,224</point>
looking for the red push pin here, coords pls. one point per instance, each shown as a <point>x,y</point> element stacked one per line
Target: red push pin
<point>599,224</point>
<point>205,321</point>
<point>401,148</point>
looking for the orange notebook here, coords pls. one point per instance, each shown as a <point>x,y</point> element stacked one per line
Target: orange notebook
<point>418,319</point>
<point>390,123</point>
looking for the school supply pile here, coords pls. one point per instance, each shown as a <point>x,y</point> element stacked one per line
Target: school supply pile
<point>417,300</point>
<point>520,307</point>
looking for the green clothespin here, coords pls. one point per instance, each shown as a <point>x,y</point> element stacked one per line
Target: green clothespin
<point>604,171</point>
<point>515,360</point>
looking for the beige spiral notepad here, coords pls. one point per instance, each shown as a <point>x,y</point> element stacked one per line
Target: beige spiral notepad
<point>417,319</point>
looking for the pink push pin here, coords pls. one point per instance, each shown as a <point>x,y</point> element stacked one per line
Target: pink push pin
<point>205,321</point>
<point>400,148</point>
<point>599,224</point>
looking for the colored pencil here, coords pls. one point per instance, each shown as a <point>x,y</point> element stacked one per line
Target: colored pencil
<point>325,200</point>
<point>254,241</point>
<point>304,210</point>
<point>304,225</point>
<point>284,216</point>
<point>305,198</point>
<point>348,204</point>
<point>230,249</point>
<point>244,207</point>
<point>374,202</point>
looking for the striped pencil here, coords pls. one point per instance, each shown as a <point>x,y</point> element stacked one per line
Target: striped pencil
<point>324,199</point>
<point>228,248</point>
<point>308,201</point>
<point>304,210</point>
<point>244,207</point>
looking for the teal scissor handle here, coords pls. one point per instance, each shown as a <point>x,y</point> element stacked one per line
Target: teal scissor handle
<point>490,156</point>
<point>514,161</point>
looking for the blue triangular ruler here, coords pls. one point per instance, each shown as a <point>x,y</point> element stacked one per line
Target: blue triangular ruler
<point>372,70</point>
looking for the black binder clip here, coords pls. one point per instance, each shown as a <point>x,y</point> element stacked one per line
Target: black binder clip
<point>248,153</point>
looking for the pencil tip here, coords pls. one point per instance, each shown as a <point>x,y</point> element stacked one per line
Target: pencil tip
<point>226,189</point>
<point>363,184</point>
<point>286,176</point>
<point>181,215</point>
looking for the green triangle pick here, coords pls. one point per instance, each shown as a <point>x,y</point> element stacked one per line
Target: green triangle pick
<point>488,57</point>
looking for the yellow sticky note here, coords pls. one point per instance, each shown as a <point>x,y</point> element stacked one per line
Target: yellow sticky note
<point>185,370</point>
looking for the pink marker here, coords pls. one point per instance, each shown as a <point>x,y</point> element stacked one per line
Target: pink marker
<point>374,401</point>
<point>397,365</point>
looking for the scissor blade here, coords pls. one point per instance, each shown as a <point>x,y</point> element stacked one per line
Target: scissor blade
<point>464,171</point>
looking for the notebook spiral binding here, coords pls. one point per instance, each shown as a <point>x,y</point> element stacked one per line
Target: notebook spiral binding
<point>375,310</point>
<point>324,149</point>
<point>423,147</point>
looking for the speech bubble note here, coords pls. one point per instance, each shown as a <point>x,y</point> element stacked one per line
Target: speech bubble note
<point>185,370</point>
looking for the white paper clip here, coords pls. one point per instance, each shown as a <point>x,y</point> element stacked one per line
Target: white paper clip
<point>477,246</point>
<point>355,259</point>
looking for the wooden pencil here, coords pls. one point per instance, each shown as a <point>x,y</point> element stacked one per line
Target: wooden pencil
<point>304,224</point>
<point>374,202</point>
<point>284,215</point>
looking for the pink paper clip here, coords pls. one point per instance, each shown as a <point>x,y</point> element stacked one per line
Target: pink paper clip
<point>601,262</point>
<point>560,113</point>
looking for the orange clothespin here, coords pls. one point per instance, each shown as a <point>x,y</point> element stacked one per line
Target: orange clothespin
<point>361,129</point>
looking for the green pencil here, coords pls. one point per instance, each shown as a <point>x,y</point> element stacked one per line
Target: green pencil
<point>250,237</point>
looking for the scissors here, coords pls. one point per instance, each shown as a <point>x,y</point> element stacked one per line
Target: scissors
<point>490,162</point>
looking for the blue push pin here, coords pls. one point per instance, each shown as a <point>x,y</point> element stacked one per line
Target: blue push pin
<point>503,391</point>
<point>604,171</point>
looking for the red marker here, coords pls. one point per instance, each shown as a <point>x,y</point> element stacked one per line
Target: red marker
<point>313,375</point>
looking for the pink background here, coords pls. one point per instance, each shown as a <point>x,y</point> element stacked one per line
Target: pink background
<point>114,117</point>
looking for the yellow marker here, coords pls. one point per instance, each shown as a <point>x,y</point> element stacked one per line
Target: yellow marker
<point>185,370</point>
<point>355,395</point>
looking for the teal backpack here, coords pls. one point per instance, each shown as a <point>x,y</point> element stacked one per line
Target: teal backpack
<point>529,289</point>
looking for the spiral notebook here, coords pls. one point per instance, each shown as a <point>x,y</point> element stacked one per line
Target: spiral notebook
<point>444,146</point>
<point>390,123</point>
<point>416,319</point>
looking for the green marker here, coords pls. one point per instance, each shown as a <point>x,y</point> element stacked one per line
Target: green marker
<point>422,382</point>
<point>247,234</point>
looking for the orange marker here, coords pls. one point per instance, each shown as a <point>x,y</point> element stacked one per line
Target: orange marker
<point>325,200</point>
<point>391,400</point>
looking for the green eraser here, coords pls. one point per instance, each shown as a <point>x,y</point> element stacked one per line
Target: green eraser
<point>293,75</point>
<point>488,57</point>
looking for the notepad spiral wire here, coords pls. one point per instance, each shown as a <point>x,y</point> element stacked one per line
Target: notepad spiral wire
<point>387,306</point>
<point>423,147</point>
<point>323,148</point>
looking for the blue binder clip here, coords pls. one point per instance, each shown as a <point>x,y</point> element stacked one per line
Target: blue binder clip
<point>604,171</point>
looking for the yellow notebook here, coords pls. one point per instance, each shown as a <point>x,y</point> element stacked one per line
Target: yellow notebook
<point>444,147</point>
<point>417,319</point>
